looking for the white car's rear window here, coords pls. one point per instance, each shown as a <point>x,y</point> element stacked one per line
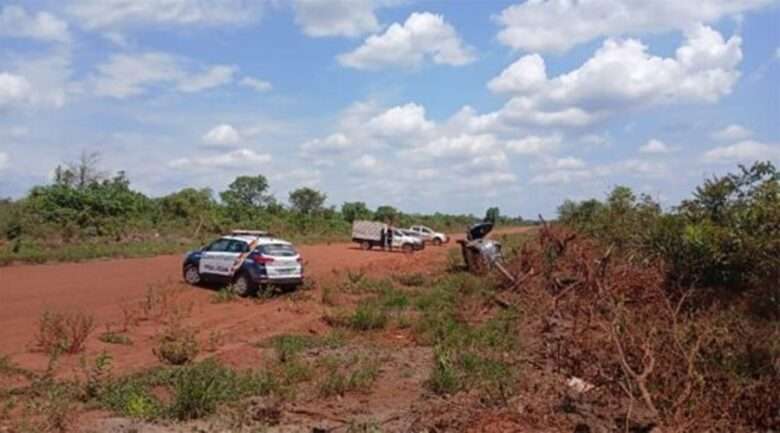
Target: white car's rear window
<point>277,250</point>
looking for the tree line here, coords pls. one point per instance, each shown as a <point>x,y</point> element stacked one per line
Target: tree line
<point>84,203</point>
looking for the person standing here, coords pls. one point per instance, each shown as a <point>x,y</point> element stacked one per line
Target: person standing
<point>389,239</point>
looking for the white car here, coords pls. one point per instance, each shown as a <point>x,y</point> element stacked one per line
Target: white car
<point>428,235</point>
<point>246,260</point>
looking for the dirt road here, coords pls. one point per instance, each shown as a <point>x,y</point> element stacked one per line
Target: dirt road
<point>104,289</point>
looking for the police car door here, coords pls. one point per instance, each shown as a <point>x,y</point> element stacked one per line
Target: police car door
<point>218,258</point>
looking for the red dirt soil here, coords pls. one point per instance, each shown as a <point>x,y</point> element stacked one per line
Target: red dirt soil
<point>100,288</point>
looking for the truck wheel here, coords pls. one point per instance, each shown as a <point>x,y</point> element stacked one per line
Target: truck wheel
<point>192,275</point>
<point>407,248</point>
<point>365,245</point>
<point>243,285</point>
<point>437,242</point>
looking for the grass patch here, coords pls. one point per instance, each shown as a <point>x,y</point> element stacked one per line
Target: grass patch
<point>288,347</point>
<point>415,279</point>
<point>343,376</point>
<point>111,337</point>
<point>194,391</point>
<point>223,296</point>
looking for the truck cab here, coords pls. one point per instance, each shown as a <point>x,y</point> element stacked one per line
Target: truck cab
<point>428,235</point>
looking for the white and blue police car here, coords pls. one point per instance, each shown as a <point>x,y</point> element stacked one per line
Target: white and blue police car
<point>246,260</point>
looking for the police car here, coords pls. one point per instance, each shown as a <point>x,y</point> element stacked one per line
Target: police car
<point>246,260</point>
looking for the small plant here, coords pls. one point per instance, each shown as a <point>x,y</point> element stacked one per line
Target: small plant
<point>368,316</point>
<point>215,341</point>
<point>289,346</point>
<point>337,381</point>
<point>412,280</point>
<point>64,332</point>
<point>177,346</point>
<point>200,388</point>
<point>96,375</point>
<point>224,295</point>
<point>328,296</point>
<point>111,337</point>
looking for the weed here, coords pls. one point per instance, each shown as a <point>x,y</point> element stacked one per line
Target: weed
<point>96,375</point>
<point>215,340</point>
<point>328,296</point>
<point>64,332</point>
<point>368,316</point>
<point>200,388</point>
<point>339,381</point>
<point>177,346</point>
<point>111,337</point>
<point>364,427</point>
<point>224,295</point>
<point>130,315</point>
<point>411,280</point>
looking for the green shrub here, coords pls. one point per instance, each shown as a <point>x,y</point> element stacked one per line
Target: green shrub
<point>368,316</point>
<point>200,388</point>
<point>177,346</point>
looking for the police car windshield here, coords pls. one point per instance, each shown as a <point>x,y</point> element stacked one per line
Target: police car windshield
<point>277,250</point>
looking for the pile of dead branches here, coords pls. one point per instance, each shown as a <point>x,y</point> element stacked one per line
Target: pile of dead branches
<point>612,347</point>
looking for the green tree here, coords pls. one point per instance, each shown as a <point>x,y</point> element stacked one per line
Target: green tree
<point>307,200</point>
<point>189,204</point>
<point>387,214</point>
<point>247,192</point>
<point>355,211</point>
<point>492,215</point>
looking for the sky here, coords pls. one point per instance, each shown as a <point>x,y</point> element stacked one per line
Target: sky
<point>446,105</point>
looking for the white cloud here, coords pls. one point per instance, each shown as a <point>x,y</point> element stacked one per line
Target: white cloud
<point>3,160</point>
<point>126,75</point>
<point>256,85</point>
<point>524,75</point>
<point>240,158</point>
<point>98,14</point>
<point>490,179</point>
<point>351,18</point>
<point>534,145</point>
<point>569,163</point>
<point>655,146</point>
<point>403,120</point>
<point>744,151</point>
<point>333,144</point>
<point>16,22</point>
<point>558,177</point>
<point>14,89</point>
<point>423,36</point>
<point>222,135</point>
<point>732,133</point>
<point>214,77</point>
<point>463,146</point>
<point>621,75</point>
<point>557,25</point>
<point>366,163</point>
<point>568,172</point>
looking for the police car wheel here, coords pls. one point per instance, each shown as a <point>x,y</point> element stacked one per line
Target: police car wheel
<point>243,285</point>
<point>192,275</point>
<point>437,242</point>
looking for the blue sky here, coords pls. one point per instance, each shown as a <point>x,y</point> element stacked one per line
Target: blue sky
<point>448,106</point>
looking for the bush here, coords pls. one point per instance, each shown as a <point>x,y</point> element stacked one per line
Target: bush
<point>64,332</point>
<point>177,346</point>
<point>726,236</point>
<point>200,388</point>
